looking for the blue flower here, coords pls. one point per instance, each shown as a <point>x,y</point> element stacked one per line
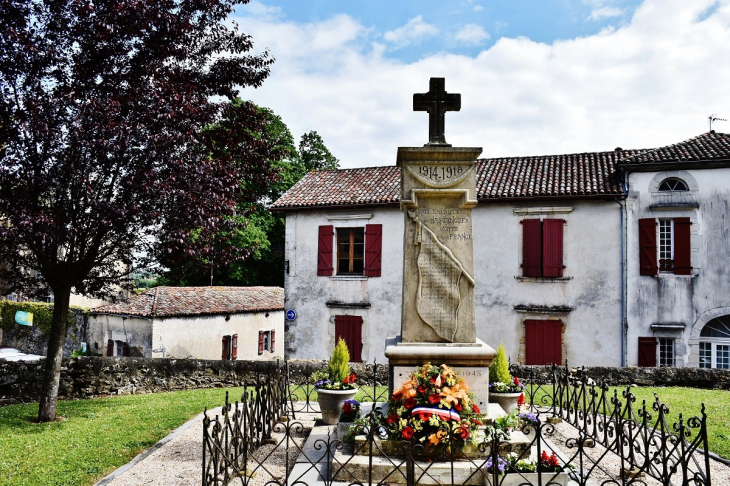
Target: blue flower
<point>501,464</point>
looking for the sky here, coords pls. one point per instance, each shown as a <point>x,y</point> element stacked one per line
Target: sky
<point>536,77</point>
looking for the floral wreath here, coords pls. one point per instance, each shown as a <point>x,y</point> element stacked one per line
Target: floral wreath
<point>435,408</point>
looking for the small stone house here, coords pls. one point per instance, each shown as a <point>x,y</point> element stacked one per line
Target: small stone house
<point>229,323</point>
<point>609,258</point>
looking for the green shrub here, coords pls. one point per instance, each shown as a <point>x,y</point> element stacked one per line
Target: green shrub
<point>42,314</point>
<point>339,367</point>
<point>499,369</point>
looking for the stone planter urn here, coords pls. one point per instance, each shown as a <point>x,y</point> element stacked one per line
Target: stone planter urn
<point>330,403</point>
<point>508,401</point>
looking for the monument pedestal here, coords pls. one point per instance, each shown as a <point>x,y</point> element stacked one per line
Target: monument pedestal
<point>471,359</point>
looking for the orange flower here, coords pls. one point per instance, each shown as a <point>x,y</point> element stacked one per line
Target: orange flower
<point>453,395</point>
<point>407,390</point>
<point>434,439</point>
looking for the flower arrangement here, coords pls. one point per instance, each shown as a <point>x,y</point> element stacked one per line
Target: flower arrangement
<point>337,376</point>
<point>435,408</point>
<point>350,411</point>
<point>513,464</point>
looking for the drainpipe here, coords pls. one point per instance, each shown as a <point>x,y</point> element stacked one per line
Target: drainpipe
<point>622,214</point>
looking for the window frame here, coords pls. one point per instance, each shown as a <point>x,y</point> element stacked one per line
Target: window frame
<point>666,353</point>
<point>668,180</point>
<point>351,248</point>
<point>529,248</point>
<point>665,248</point>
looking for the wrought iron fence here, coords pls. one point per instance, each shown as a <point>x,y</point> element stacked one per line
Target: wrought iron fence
<point>578,431</point>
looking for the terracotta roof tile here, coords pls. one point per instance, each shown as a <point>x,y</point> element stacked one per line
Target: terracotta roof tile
<point>588,174</point>
<point>711,146</point>
<point>190,301</point>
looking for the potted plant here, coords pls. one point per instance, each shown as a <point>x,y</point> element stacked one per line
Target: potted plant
<point>335,384</point>
<point>503,388</point>
<point>349,413</point>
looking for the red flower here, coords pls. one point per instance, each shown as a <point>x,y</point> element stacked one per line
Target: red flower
<point>434,398</point>
<point>544,457</point>
<point>475,408</point>
<point>408,433</point>
<point>433,380</point>
<point>521,400</point>
<point>392,418</point>
<point>350,379</point>
<point>517,381</point>
<point>475,421</point>
<point>421,389</point>
<point>347,408</point>
<point>462,433</point>
<point>458,407</point>
<point>553,461</point>
<point>409,403</point>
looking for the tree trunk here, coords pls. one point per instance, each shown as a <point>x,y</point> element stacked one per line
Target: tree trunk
<point>52,368</point>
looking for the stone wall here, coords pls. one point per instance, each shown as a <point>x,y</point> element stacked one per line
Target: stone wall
<point>88,377</point>
<point>689,377</point>
<point>33,340</point>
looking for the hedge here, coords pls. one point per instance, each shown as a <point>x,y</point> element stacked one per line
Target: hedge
<point>42,314</point>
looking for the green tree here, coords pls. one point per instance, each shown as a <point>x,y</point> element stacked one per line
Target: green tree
<point>263,236</point>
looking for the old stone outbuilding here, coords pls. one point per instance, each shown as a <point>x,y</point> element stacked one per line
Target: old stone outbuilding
<point>229,323</point>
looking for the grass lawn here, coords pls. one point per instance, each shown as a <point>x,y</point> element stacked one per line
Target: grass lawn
<point>95,437</point>
<point>688,402</point>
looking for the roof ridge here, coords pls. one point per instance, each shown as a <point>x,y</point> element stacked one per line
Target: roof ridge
<point>154,302</point>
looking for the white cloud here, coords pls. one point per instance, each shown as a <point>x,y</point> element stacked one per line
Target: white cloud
<point>604,13</point>
<point>478,8</point>
<point>471,34</point>
<point>414,31</point>
<point>648,83</point>
<point>500,26</point>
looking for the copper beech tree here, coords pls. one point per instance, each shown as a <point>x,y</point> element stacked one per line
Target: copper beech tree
<point>120,145</point>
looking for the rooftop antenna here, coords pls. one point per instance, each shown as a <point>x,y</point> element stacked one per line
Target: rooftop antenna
<point>713,118</point>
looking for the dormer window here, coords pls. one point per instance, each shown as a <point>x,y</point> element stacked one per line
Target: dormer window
<point>673,184</point>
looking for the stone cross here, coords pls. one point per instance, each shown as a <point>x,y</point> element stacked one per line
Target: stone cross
<point>436,102</point>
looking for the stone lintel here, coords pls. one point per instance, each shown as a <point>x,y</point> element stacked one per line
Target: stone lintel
<point>437,154</point>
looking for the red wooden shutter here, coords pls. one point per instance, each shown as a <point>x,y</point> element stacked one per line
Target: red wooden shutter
<point>273,340</point>
<point>261,342</point>
<point>534,342</point>
<point>682,263</point>
<point>531,247</point>
<point>552,248</point>
<point>110,347</point>
<point>125,349</point>
<point>324,253</point>
<point>647,352</point>
<point>647,247</point>
<point>234,347</point>
<point>349,328</point>
<point>553,352</point>
<point>373,249</point>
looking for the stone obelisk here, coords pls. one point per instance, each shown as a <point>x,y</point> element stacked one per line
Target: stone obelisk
<point>438,192</point>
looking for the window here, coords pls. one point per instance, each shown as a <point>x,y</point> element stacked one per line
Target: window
<point>117,348</point>
<point>543,342</point>
<point>672,253</point>
<point>673,185</point>
<point>350,251</point>
<point>715,343</point>
<point>358,251</point>
<point>349,328</point>
<point>230,348</point>
<point>666,352</point>
<point>542,247</point>
<point>266,341</point>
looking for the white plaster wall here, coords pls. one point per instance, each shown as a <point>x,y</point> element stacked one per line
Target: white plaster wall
<point>592,284</point>
<point>672,298</point>
<point>312,334</point>
<point>592,256</point>
<point>200,337</point>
